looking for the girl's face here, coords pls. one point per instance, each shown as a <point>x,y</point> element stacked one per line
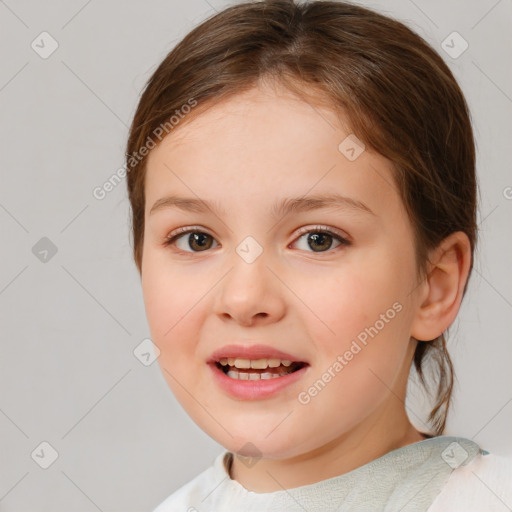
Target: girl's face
<point>260,271</point>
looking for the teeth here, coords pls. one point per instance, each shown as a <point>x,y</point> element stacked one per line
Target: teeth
<point>259,364</point>
<point>252,376</point>
<point>242,363</point>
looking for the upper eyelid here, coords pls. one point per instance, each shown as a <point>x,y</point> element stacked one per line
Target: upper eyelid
<point>177,233</point>
<point>320,227</point>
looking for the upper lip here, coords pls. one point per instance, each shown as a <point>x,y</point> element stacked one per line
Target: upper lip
<point>252,352</point>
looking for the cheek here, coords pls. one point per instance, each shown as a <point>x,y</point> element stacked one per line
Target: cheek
<point>170,300</point>
<point>174,318</point>
<point>351,300</point>
<point>358,369</point>
<point>365,318</point>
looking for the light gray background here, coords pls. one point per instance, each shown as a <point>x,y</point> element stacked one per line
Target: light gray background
<point>68,374</point>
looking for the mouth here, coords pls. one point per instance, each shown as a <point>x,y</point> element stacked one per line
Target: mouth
<point>257,369</point>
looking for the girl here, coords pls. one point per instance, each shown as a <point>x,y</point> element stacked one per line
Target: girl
<point>303,191</point>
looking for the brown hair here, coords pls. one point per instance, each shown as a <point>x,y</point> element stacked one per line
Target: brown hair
<point>399,96</point>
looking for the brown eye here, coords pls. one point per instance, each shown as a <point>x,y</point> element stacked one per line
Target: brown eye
<point>321,240</point>
<point>191,241</point>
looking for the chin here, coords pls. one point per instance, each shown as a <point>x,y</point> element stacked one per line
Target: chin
<point>257,446</point>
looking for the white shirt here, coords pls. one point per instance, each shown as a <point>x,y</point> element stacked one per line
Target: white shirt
<point>441,474</point>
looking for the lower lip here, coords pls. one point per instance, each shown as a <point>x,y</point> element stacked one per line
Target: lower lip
<point>255,389</point>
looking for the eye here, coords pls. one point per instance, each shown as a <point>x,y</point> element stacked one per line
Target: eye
<point>321,238</point>
<point>197,240</point>
<point>317,238</point>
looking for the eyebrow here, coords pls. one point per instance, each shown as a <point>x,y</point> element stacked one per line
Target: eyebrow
<point>282,208</point>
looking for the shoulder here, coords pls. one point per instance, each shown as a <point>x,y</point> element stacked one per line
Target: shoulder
<point>194,492</point>
<point>485,484</point>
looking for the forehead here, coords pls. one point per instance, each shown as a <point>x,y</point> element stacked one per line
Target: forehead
<point>260,110</point>
<point>264,143</point>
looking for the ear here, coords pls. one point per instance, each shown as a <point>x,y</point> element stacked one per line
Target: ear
<point>440,295</point>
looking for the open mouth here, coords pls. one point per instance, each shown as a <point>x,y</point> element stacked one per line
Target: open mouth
<point>259,369</point>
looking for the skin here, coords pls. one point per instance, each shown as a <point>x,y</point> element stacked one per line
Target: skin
<point>248,152</point>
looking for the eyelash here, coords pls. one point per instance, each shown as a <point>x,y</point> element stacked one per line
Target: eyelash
<point>169,240</point>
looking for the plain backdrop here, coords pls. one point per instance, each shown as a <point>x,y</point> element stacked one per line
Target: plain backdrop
<point>73,394</point>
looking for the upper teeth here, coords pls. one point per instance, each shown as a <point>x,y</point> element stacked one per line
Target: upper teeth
<point>254,363</point>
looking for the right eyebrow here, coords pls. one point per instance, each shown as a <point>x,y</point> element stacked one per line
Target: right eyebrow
<point>187,204</point>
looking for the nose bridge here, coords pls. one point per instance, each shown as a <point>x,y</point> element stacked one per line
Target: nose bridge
<point>248,265</point>
<point>250,250</point>
<point>250,289</point>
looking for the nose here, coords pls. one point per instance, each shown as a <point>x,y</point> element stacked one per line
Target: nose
<point>250,294</point>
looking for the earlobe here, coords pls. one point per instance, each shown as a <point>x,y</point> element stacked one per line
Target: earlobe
<point>443,288</point>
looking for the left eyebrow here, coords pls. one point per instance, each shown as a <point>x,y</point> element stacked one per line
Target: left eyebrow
<point>280,209</point>
<point>316,202</point>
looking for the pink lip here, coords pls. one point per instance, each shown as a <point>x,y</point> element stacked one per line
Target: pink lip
<point>254,389</point>
<point>252,352</point>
